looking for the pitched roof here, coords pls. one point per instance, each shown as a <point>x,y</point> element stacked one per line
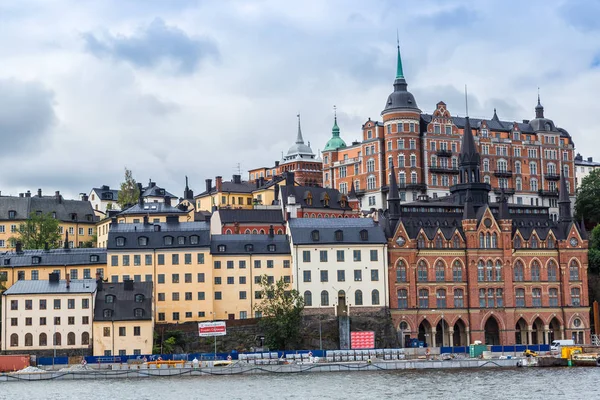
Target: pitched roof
<point>318,195</point>
<point>124,304</point>
<point>238,244</point>
<point>66,210</point>
<point>156,234</point>
<point>152,190</point>
<point>45,286</point>
<point>301,230</point>
<point>249,216</point>
<point>152,208</point>
<point>104,192</point>
<point>58,257</point>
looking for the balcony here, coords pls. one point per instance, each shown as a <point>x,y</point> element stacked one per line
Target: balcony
<point>552,177</point>
<point>503,173</point>
<point>360,192</point>
<point>548,193</point>
<point>443,169</point>
<point>507,191</point>
<point>412,186</point>
<point>444,153</point>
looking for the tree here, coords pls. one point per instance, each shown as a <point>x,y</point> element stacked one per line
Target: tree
<point>38,231</point>
<point>587,204</point>
<point>282,313</point>
<point>129,193</point>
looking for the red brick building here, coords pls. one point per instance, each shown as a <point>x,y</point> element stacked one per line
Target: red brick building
<point>462,268</point>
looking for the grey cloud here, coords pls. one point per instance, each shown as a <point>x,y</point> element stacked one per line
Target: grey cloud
<point>26,113</point>
<point>447,18</point>
<point>582,14</point>
<point>152,45</point>
<point>156,106</point>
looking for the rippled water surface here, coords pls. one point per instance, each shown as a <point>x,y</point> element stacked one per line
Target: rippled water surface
<point>532,383</point>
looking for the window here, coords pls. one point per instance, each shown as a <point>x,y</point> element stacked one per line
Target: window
<point>230,280</point>
<point>217,264</point>
<point>306,276</point>
<point>573,271</point>
<point>114,261</point>
<point>200,258</point>
<point>374,255</point>
<point>217,280</point>
<point>439,243</point>
<point>458,298</point>
<point>553,297</point>
<point>57,304</point>
<point>200,277</point>
<point>535,271</point>
<point>441,298</point>
<point>161,259</point>
<point>85,320</point>
<point>201,296</point>
<point>422,271</point>
<point>341,275</point>
<point>257,263</point>
<point>536,297</point>
<point>402,298</point>
<point>520,297</point>
<point>518,272</point>
<point>176,316</point>
<point>374,275</point>
<point>357,275</point>
<point>421,242</point>
<point>306,256</point>
<point>161,297</point>
<point>324,276</point>
<point>42,304</point>
<point>552,271</point>
<point>323,255</point>
<point>401,272</point>
<point>175,259</point>
<point>457,271</point>
<point>340,255</point>
<point>324,298</point>
<point>71,304</point>
<point>423,298</point>
<point>440,271</point>
<point>575,297</point>
<point>14,321</point>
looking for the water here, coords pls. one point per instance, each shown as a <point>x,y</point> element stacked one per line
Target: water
<point>488,383</point>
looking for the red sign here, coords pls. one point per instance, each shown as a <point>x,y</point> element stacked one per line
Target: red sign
<point>362,340</point>
<point>212,328</point>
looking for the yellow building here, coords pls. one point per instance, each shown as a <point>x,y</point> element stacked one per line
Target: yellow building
<point>47,315</point>
<point>123,319</point>
<point>76,217</point>
<point>175,256</point>
<point>239,261</point>
<point>34,265</point>
<point>235,193</point>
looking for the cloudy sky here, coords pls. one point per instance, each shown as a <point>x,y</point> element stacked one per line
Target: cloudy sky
<point>183,87</point>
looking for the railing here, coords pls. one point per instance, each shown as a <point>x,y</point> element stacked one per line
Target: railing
<point>596,340</point>
<point>548,193</point>
<point>503,173</point>
<point>444,153</point>
<point>507,191</point>
<point>443,169</point>
<point>552,177</point>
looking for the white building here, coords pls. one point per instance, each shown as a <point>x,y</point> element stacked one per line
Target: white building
<point>339,263</point>
<point>104,198</point>
<point>583,168</point>
<point>48,315</point>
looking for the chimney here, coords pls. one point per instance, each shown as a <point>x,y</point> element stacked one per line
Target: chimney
<point>262,181</point>
<point>277,163</point>
<point>21,194</point>
<point>66,246</point>
<point>128,284</point>
<point>68,277</point>
<point>145,220</point>
<point>58,196</point>
<point>219,183</point>
<point>257,181</point>
<point>208,185</point>
<point>84,197</point>
<point>28,194</point>
<point>140,199</point>
<point>525,121</point>
<point>590,159</point>
<point>99,282</point>
<point>237,179</point>
<point>54,277</point>
<point>167,200</point>
<point>19,248</point>
<point>271,231</point>
<point>39,192</point>
<point>276,194</point>
<point>113,222</point>
<point>289,179</point>
<point>46,247</point>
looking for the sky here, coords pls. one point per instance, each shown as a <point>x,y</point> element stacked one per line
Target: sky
<point>199,88</point>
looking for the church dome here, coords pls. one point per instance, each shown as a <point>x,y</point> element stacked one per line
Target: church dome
<point>400,99</point>
<point>336,142</point>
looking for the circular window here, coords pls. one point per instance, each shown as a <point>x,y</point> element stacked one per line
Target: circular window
<point>573,242</point>
<point>576,322</point>
<point>487,222</point>
<point>403,326</point>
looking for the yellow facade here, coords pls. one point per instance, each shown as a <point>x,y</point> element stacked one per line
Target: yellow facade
<point>80,233</point>
<point>224,199</point>
<point>122,337</point>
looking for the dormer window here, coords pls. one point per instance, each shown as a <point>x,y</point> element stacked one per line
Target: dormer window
<point>94,258</point>
<point>309,199</point>
<point>517,242</point>
<point>168,240</point>
<point>484,132</point>
<point>315,236</point>
<point>107,313</point>
<point>109,298</point>
<point>343,202</point>
<point>221,248</point>
<point>120,241</point>
<point>12,214</point>
<point>54,214</point>
<point>194,239</point>
<point>38,213</point>
<point>364,235</point>
<point>89,217</point>
<point>271,248</point>
<point>339,236</point>
<point>181,240</point>
<point>143,241</point>
<point>73,217</point>
<point>138,313</point>
<point>249,247</point>
<point>326,200</point>
<point>36,260</point>
<point>139,298</point>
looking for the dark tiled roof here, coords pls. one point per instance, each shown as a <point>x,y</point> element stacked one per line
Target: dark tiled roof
<point>156,233</point>
<point>201,215</point>
<point>232,187</point>
<point>106,193</point>
<point>66,210</point>
<point>237,244</point>
<point>152,190</point>
<point>59,257</point>
<point>318,195</point>
<point>124,305</point>
<point>45,286</point>
<point>247,216</point>
<point>301,230</point>
<point>152,208</point>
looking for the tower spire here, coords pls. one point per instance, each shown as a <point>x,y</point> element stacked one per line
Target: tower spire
<point>399,71</point>
<point>539,109</point>
<point>564,203</point>
<point>393,200</point>
<point>335,131</point>
<point>299,139</point>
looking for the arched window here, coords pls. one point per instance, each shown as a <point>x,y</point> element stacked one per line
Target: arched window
<point>109,298</point>
<point>308,298</point>
<point>85,338</point>
<point>459,298</point>
<point>401,272</point>
<point>441,298</point>
<point>70,339</point>
<point>536,297</point>
<point>28,340</point>
<point>138,313</point>
<point>422,271</point>
<point>494,240</point>
<point>498,270</point>
<point>518,272</point>
<point>375,297</point>
<point>423,298</point>
<point>401,162</point>
<point>413,160</point>
<point>57,339</point>
<point>480,271</point>
<point>402,298</point>
<point>358,298</point>
<point>481,240</point>
<point>370,165</point>
<point>552,271</point>
<point>534,184</point>
<point>456,242</point>
<point>551,243</point>
<point>486,165</point>
<point>517,167</point>
<point>489,271</point>
<point>139,298</point>
<point>421,242</point>
<point>553,297</point>
<point>520,297</point>
<point>517,242</point>
<point>534,242</point>
<point>439,243</point>
<point>518,184</point>
<point>573,271</point>
<point>488,241</point>
<point>324,298</point>
<point>440,271</point>
<point>457,271</point>
<point>43,340</point>
<point>575,297</point>
<point>14,340</point>
<point>535,271</point>
<point>533,168</point>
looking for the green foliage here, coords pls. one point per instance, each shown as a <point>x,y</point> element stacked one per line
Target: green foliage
<point>587,204</point>
<point>172,341</point>
<point>129,193</point>
<point>594,251</point>
<point>282,314</point>
<point>37,231</point>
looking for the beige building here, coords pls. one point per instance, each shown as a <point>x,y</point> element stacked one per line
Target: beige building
<point>583,168</point>
<point>123,319</point>
<point>46,315</point>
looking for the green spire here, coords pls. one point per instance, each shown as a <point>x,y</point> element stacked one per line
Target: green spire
<point>336,142</point>
<point>399,72</point>
<point>335,131</point>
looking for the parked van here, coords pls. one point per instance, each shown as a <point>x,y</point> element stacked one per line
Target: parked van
<point>555,345</point>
